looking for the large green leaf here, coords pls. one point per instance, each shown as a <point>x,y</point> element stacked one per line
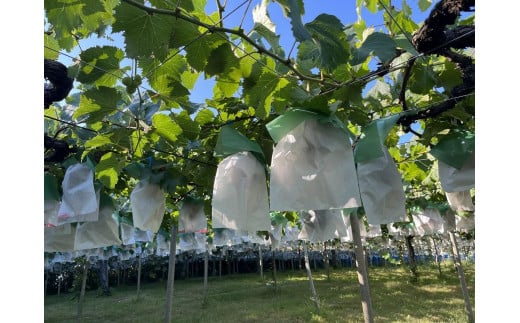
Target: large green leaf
<point>100,66</point>
<point>294,9</point>
<point>97,103</point>
<point>204,116</point>
<point>455,148</point>
<point>260,96</point>
<point>199,49</point>
<point>145,34</point>
<point>190,128</point>
<point>108,169</point>
<point>166,127</point>
<point>380,44</point>
<point>327,32</point>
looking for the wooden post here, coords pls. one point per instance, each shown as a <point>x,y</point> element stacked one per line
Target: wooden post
<point>206,256</point>
<point>366,300</point>
<point>139,273</point>
<point>460,272</point>
<point>83,285</point>
<point>171,276</point>
<point>261,262</point>
<point>437,262</point>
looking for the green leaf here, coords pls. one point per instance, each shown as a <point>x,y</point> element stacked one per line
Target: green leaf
<point>100,66</point>
<point>260,95</point>
<point>50,187</point>
<point>145,34</point>
<point>327,32</point>
<point>455,148</point>
<point>264,26</point>
<point>424,4</point>
<point>183,33</point>
<point>294,9</point>
<point>382,45</point>
<point>99,141</point>
<point>221,59</point>
<point>190,128</point>
<point>166,127</point>
<point>108,169</point>
<point>139,142</point>
<point>97,103</point>
<point>422,79</point>
<point>204,116</point>
<point>199,51</point>
<point>51,47</point>
<point>65,16</point>
<point>371,5</point>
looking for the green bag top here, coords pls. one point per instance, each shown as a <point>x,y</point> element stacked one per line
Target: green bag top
<point>283,124</point>
<point>372,144</point>
<point>230,142</point>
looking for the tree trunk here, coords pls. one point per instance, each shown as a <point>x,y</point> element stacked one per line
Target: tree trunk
<point>309,274</point>
<point>362,271</point>
<point>464,287</point>
<point>171,276</point>
<point>83,286</point>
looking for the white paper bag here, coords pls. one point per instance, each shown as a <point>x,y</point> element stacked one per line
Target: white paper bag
<point>50,212</point>
<point>312,168</point>
<point>148,205</point>
<point>127,233</point>
<point>102,233</point>
<point>465,223</point>
<point>381,190</point>
<point>429,222</point>
<point>192,218</point>
<point>456,180</point>
<point>321,225</point>
<point>80,201</point>
<point>460,201</point>
<point>57,240</point>
<point>240,194</point>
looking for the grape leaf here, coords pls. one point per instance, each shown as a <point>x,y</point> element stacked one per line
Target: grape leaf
<point>145,34</point>
<point>166,127</point>
<point>97,103</point>
<point>108,169</point>
<point>100,66</point>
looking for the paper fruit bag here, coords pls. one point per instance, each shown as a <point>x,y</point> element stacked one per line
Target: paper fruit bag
<point>381,190</point>
<point>148,205</point>
<point>240,194</point>
<point>80,201</point>
<point>312,168</point>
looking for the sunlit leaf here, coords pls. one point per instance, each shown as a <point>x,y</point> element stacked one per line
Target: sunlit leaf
<point>108,169</point>
<point>166,127</point>
<point>100,65</point>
